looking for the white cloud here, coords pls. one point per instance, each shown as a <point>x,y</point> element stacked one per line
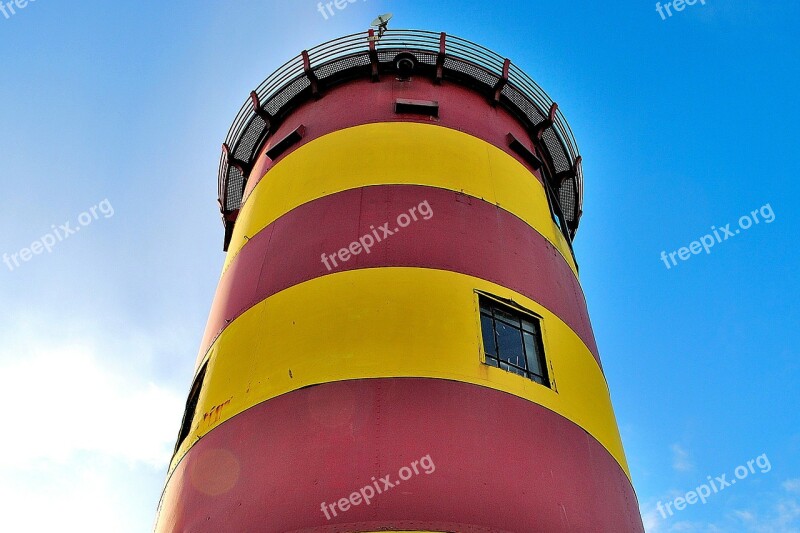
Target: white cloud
<point>88,430</point>
<point>69,498</point>
<point>680,459</point>
<point>61,400</point>
<point>792,485</point>
<point>652,521</point>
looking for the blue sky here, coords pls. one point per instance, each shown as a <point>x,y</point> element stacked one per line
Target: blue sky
<point>684,124</point>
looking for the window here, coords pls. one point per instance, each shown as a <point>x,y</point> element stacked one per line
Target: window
<point>512,340</point>
<point>191,406</point>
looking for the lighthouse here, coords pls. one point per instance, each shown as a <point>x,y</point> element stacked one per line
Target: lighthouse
<point>399,340</point>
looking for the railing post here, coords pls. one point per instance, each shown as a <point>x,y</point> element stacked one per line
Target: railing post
<point>310,75</point>
<point>373,55</point>
<point>498,87</point>
<point>440,58</point>
<point>258,110</point>
<point>546,123</point>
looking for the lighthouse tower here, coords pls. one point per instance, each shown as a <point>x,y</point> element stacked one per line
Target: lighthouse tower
<point>399,340</point>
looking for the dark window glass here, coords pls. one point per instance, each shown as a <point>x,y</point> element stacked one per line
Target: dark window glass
<point>488,335</point>
<point>509,343</point>
<point>527,325</point>
<point>191,406</point>
<point>532,353</point>
<point>512,340</point>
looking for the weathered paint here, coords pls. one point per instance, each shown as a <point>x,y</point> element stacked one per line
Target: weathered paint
<point>318,380</point>
<point>502,464</point>
<point>397,153</point>
<point>463,234</point>
<point>399,321</point>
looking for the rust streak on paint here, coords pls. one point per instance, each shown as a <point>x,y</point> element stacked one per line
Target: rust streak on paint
<point>212,416</point>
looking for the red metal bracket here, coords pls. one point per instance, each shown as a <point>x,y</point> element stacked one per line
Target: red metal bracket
<point>546,123</point>
<point>310,75</point>
<point>260,111</point>
<point>373,55</point>
<point>232,161</point>
<point>440,58</point>
<point>498,87</point>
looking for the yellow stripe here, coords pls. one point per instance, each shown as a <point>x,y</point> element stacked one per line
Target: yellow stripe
<point>397,153</point>
<point>390,322</point>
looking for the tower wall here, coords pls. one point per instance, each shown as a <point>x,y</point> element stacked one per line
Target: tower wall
<point>321,372</point>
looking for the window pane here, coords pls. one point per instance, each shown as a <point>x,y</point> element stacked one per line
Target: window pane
<point>509,343</point>
<point>528,325</point>
<point>505,315</point>
<point>534,360</point>
<point>488,335</point>
<point>510,368</point>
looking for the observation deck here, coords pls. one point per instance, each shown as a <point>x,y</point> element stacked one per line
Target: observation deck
<point>441,57</point>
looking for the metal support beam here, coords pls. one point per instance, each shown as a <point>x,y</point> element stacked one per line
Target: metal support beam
<point>498,87</point>
<point>440,58</point>
<point>373,56</point>
<point>546,123</point>
<point>260,111</point>
<point>310,75</point>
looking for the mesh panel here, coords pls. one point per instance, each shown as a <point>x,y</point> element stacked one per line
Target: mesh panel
<point>291,90</point>
<point>421,57</point>
<point>339,65</point>
<point>527,107</point>
<point>567,199</point>
<point>556,150</point>
<point>426,59</point>
<point>470,64</point>
<point>471,70</point>
<point>249,139</point>
<point>235,189</point>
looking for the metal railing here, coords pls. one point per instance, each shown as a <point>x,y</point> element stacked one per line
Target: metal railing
<point>461,58</point>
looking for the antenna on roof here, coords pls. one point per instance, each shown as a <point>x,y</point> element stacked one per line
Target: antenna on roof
<point>381,23</point>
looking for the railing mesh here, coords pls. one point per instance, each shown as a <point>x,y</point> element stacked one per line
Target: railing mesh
<point>464,60</point>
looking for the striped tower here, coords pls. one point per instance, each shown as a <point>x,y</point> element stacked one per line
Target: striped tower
<point>399,340</point>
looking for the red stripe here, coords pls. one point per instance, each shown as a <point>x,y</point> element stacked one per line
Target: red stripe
<point>460,108</point>
<point>465,235</point>
<point>501,464</point>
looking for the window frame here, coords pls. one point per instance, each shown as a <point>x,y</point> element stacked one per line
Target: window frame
<point>191,407</point>
<point>485,300</point>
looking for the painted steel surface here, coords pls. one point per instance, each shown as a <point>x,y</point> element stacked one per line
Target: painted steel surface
<point>391,322</point>
<point>463,234</point>
<point>501,465</point>
<point>460,109</point>
<point>317,379</point>
<point>397,153</point>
